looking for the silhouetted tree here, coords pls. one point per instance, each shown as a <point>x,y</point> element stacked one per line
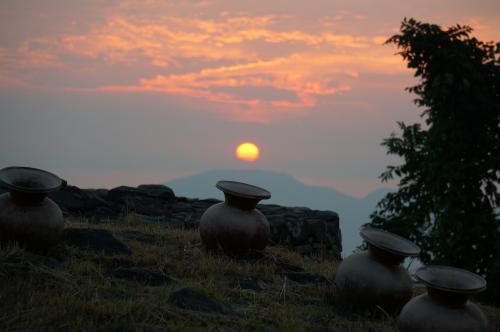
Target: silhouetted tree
<point>449,179</point>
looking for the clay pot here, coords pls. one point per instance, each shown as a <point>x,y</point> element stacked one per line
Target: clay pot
<point>375,278</point>
<point>445,306</point>
<point>27,216</point>
<point>236,226</point>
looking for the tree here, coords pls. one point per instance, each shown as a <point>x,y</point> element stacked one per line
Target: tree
<point>448,188</point>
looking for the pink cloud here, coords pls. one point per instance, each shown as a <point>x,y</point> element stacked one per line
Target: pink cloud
<point>207,57</point>
<point>38,53</point>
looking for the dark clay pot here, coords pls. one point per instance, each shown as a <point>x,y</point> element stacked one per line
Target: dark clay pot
<point>445,306</point>
<point>235,225</point>
<point>27,216</point>
<point>375,278</point>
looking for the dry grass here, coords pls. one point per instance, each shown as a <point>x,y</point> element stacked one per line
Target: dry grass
<point>80,294</point>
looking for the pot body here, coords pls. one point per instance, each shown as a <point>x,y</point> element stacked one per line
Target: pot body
<point>426,314</point>
<point>364,281</point>
<point>233,229</point>
<point>35,222</point>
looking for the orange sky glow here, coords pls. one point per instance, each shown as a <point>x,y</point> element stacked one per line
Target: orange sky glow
<point>242,65</point>
<point>280,65</point>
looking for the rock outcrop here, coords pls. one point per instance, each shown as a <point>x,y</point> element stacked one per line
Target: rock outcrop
<point>307,231</point>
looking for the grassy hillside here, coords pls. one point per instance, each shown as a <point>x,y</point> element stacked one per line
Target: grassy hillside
<point>75,289</point>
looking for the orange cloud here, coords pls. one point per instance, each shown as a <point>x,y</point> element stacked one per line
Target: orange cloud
<point>303,77</point>
<point>38,52</point>
<point>222,60</point>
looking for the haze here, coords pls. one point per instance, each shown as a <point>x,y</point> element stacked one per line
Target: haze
<point>106,93</point>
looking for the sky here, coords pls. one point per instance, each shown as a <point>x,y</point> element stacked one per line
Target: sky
<point>108,93</point>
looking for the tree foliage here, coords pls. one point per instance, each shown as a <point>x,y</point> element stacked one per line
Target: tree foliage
<point>448,188</point>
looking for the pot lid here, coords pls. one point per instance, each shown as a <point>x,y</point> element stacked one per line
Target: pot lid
<point>29,180</point>
<point>241,189</point>
<point>390,242</point>
<point>451,279</point>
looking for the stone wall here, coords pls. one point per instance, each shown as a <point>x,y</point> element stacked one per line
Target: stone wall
<point>307,231</point>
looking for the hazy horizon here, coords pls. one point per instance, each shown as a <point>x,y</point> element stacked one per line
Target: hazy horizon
<point>105,181</point>
<point>108,93</point>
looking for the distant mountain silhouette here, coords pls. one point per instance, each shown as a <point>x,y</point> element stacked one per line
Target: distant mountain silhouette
<point>288,191</point>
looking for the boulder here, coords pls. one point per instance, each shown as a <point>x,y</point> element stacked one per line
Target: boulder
<point>251,284</point>
<point>98,240</point>
<point>309,232</point>
<point>187,298</point>
<point>144,276</point>
<point>72,199</point>
<point>148,202</point>
<point>159,191</point>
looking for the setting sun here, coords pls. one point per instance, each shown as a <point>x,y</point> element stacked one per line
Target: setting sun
<point>247,151</point>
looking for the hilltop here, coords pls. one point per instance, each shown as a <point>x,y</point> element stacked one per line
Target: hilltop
<point>128,276</point>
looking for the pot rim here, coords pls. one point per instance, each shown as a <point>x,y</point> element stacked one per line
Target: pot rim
<point>389,242</point>
<point>54,182</point>
<point>451,279</point>
<point>244,190</point>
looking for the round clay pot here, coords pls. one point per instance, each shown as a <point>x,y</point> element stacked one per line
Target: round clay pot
<point>445,306</point>
<point>27,216</point>
<point>235,225</point>
<point>375,278</point>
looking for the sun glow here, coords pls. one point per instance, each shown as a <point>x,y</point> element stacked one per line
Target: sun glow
<point>247,151</point>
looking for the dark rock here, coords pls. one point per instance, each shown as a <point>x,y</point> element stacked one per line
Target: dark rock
<point>72,199</point>
<point>285,267</point>
<point>309,232</point>
<point>124,191</point>
<point>130,199</point>
<point>99,196</point>
<point>146,277</point>
<point>204,203</point>
<point>140,237</point>
<point>187,298</point>
<point>249,283</point>
<point>307,278</point>
<point>155,220</point>
<point>85,203</point>
<point>95,239</point>
<point>159,191</point>
<point>304,230</point>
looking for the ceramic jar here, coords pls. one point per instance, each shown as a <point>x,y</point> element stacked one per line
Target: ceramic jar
<point>445,306</point>
<point>235,225</point>
<point>27,215</point>
<point>375,278</point>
